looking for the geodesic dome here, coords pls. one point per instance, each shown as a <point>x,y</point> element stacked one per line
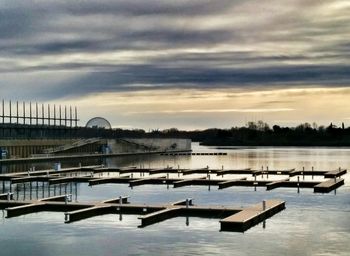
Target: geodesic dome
<point>98,122</point>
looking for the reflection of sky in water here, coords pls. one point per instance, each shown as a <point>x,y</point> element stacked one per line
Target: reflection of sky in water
<point>312,224</point>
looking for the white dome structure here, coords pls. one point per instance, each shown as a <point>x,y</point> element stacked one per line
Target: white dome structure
<point>98,122</point>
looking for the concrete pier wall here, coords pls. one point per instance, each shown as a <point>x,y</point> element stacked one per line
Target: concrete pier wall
<point>148,144</point>
<point>26,148</point>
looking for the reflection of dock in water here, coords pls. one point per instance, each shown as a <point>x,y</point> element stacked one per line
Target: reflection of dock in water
<point>25,189</point>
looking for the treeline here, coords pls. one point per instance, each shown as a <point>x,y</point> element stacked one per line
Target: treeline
<point>261,134</point>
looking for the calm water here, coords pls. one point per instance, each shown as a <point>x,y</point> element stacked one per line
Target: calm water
<point>312,224</point>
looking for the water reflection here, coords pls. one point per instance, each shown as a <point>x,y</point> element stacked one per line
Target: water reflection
<point>37,190</point>
<point>312,224</point>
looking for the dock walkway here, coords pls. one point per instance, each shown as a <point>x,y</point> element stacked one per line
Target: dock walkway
<point>235,219</point>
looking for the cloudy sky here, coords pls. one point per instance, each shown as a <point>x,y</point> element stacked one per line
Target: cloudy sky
<point>187,64</point>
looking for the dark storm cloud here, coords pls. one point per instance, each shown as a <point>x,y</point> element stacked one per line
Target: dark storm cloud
<point>150,7</point>
<point>137,45</point>
<point>148,77</point>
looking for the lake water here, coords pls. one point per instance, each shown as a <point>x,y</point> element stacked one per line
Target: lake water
<point>311,224</point>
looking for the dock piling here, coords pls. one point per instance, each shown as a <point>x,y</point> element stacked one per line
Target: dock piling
<point>298,184</point>
<point>267,171</point>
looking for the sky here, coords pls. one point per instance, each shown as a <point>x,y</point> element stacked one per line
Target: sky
<point>196,64</point>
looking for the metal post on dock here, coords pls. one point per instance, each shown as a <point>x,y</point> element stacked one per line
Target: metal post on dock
<point>267,171</point>
<point>209,181</point>
<point>298,184</point>
<point>303,175</point>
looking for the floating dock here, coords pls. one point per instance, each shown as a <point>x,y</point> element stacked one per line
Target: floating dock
<point>94,176</point>
<point>232,219</point>
<point>251,216</point>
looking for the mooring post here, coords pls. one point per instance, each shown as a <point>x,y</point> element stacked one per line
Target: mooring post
<point>187,202</point>
<point>264,205</point>
<point>267,171</point>
<point>298,184</point>
<point>303,175</point>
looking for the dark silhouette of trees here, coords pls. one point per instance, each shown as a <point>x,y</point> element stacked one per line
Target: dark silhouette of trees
<point>260,134</point>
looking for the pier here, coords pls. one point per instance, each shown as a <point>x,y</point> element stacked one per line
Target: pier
<point>97,174</point>
<point>232,219</point>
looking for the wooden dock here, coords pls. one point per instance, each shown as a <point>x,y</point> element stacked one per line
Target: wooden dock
<point>94,176</point>
<point>252,215</point>
<point>328,185</point>
<point>235,219</point>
